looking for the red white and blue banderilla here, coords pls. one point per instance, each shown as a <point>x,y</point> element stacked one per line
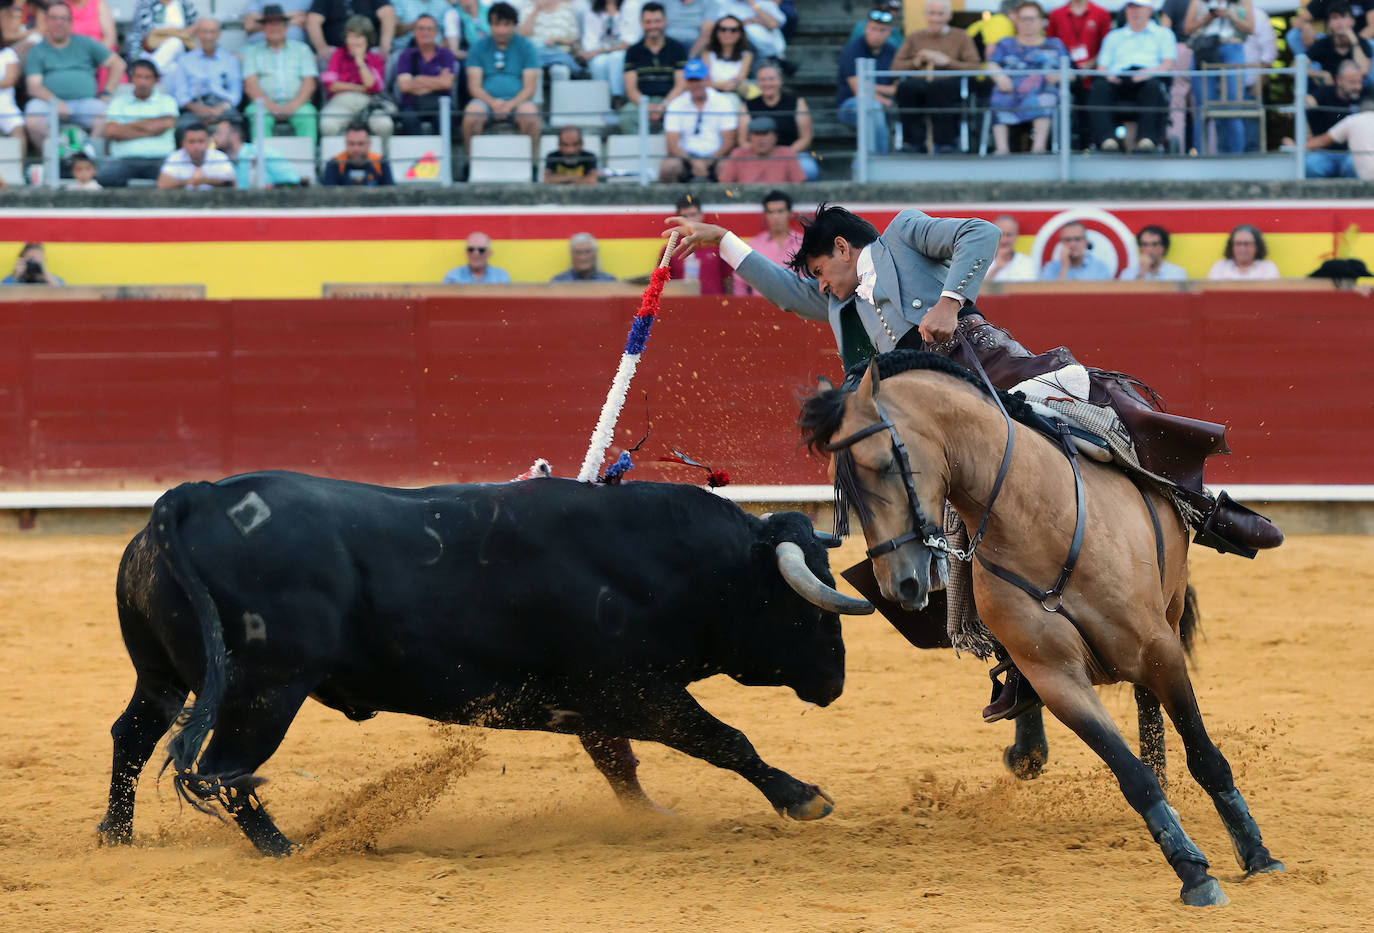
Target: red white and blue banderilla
<point>629,360</point>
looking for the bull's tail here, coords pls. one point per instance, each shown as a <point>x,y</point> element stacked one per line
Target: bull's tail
<point>198,718</point>
<point>1190,622</point>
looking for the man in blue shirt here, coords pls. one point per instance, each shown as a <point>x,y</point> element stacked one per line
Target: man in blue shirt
<point>503,73</point>
<point>208,81</point>
<point>583,264</point>
<point>1075,262</point>
<point>872,44</point>
<point>477,272</point>
<point>228,136</point>
<point>1134,54</point>
<point>31,268</point>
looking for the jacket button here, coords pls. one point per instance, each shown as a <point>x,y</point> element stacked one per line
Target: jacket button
<point>916,303</point>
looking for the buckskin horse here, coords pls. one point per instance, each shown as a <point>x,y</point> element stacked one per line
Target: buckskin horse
<point>917,430</point>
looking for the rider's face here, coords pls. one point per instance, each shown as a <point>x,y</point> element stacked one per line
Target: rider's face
<point>838,273</point>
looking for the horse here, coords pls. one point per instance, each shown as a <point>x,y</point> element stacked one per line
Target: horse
<point>919,430</point>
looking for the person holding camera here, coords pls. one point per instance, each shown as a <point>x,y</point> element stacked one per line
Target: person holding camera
<point>31,268</point>
<point>1217,30</point>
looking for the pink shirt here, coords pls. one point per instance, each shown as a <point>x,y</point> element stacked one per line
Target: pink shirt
<point>744,168</point>
<point>763,245</point>
<point>1226,270</point>
<point>343,68</point>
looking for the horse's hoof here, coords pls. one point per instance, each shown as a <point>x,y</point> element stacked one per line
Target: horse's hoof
<point>109,835</point>
<point>818,807</point>
<point>1263,866</point>
<point>1206,894</point>
<point>1025,767</point>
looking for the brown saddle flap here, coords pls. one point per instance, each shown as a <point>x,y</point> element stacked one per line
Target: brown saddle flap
<point>1168,445</point>
<point>924,629</point>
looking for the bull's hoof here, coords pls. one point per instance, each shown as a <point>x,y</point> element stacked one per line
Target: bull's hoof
<point>818,807</point>
<point>281,848</point>
<point>110,834</point>
<point>1207,893</point>
<point>1026,766</point>
<point>1262,863</point>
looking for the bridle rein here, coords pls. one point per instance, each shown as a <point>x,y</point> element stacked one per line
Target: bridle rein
<point>932,536</point>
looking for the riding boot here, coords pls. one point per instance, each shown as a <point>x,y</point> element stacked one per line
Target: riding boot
<point>1231,528</point>
<point>1012,697</point>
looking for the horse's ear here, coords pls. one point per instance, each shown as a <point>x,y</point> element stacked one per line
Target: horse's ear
<point>823,384</point>
<point>873,375</point>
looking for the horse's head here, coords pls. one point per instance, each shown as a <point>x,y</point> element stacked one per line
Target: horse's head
<point>893,477</point>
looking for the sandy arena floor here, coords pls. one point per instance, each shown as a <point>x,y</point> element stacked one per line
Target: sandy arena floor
<point>930,833</point>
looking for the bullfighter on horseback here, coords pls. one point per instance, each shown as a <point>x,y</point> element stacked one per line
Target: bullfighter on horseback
<point>915,286</point>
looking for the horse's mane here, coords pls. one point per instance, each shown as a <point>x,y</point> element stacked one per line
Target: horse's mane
<point>822,412</point>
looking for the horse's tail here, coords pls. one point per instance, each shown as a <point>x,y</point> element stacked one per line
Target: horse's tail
<point>196,720</point>
<point>1190,622</point>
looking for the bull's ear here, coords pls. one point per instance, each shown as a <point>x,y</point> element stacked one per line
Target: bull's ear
<point>873,379</point>
<point>823,384</point>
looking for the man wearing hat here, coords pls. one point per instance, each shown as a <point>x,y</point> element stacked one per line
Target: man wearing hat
<point>280,76</point>
<point>1135,55</point>
<point>699,126</point>
<point>762,161</point>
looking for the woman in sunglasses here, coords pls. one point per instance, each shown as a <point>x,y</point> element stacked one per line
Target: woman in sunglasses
<point>729,58</point>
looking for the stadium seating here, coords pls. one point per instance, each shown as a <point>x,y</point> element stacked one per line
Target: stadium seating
<point>420,159</point>
<point>502,159</point>
<point>11,161</point>
<point>622,157</point>
<point>580,103</point>
<point>299,151</point>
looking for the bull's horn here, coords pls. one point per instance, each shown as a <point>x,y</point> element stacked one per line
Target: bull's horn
<point>826,538</point>
<point>792,566</point>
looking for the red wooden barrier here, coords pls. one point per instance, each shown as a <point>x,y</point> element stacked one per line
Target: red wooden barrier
<point>123,394</point>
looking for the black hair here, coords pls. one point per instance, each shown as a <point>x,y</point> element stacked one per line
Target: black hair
<point>1339,9</point>
<point>819,234</point>
<point>502,12</point>
<point>357,126</point>
<point>776,195</point>
<point>1260,249</point>
<point>652,7</point>
<point>81,157</point>
<point>145,63</point>
<point>742,46</point>
<point>1158,231</point>
<point>686,201</point>
<point>197,126</point>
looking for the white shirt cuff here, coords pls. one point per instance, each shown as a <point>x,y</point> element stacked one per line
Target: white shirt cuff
<point>955,295</point>
<point>733,250</point>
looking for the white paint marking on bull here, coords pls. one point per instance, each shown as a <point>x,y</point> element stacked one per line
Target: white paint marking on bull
<point>249,513</point>
<point>438,541</point>
<point>254,627</point>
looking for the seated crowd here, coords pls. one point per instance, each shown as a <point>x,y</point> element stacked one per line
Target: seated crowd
<point>710,76</point>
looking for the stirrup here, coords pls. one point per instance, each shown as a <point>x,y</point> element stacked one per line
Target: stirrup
<point>1208,535</point>
<point>1023,697</point>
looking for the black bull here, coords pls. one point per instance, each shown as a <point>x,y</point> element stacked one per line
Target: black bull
<point>546,604</point>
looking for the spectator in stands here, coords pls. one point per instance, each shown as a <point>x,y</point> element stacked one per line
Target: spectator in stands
<point>688,22</point>
<point>139,127</point>
<point>297,14</point>
<point>789,114</point>
<point>1153,244</point>
<point>553,28</point>
<point>503,74</point>
<point>195,166</point>
<point>608,30</point>
<point>873,44</point>
<point>31,268</point>
<point>15,33</point>
<point>95,19</point>
<point>83,173</point>
<point>161,31</point>
<point>1339,44</point>
<point>425,73</point>
<point>582,253</point>
<point>729,58</point>
<point>699,126</point>
<point>61,72</point>
<point>653,70</point>
<point>408,13</point>
<point>1007,264</point>
<point>1173,14</point>
<point>1356,133</point>
<point>993,28</point>
<point>465,23</point>
<point>762,161</point>
<point>938,47</point>
<point>762,21</point>
<point>1216,34</point>
<point>1310,19</point>
<point>355,81</point>
<point>1134,54</point>
<point>570,164</point>
<point>11,118</point>
<point>891,6</point>
<point>1073,260</point>
<point>1081,25</point>
<point>1326,106</point>
<point>227,133</point>
<point>1025,98</point>
<point>280,77</point>
<point>1244,257</point>
<point>477,271</point>
<point>208,82</point>
<point>325,23</point>
<point>778,241</point>
<point>357,165</point>
<point>705,266</point>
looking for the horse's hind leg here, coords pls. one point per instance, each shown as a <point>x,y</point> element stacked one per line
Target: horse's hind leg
<point>151,710</point>
<point>1213,773</point>
<point>1151,724</point>
<point>1078,706</point>
<point>1029,751</point>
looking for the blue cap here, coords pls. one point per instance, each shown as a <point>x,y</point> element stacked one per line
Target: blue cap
<point>695,70</point>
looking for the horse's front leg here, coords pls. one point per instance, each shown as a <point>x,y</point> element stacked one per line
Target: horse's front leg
<point>1029,751</point>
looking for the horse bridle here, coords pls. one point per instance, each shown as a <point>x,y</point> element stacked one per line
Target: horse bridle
<point>933,536</point>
